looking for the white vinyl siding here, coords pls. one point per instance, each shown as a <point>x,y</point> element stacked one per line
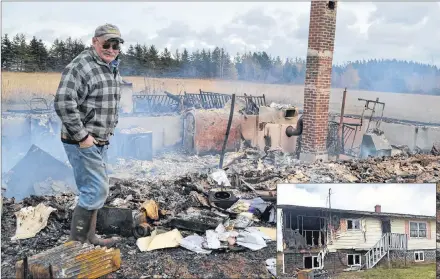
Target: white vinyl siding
<point>355,239</point>
<point>416,243</point>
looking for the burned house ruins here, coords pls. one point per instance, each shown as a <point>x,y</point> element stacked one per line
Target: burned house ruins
<point>337,240</point>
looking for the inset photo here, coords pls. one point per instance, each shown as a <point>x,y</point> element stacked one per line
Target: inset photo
<point>438,229</point>
<point>356,231</point>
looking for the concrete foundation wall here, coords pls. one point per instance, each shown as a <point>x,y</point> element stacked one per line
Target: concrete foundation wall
<point>430,255</point>
<point>337,262</point>
<point>334,262</point>
<point>293,261</point>
<point>400,134</point>
<point>18,134</point>
<point>20,131</point>
<point>397,134</point>
<point>167,130</point>
<point>397,258</point>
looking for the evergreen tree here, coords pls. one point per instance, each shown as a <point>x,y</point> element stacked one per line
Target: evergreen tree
<point>7,53</point>
<point>373,74</point>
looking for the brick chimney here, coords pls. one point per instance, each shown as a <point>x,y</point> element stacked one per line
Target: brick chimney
<point>318,80</point>
<point>377,209</point>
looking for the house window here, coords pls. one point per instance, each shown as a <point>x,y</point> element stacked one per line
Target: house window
<point>417,229</point>
<point>353,224</point>
<point>311,262</point>
<point>353,259</point>
<point>419,256</point>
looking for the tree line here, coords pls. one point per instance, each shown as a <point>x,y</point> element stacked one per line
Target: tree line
<point>143,60</point>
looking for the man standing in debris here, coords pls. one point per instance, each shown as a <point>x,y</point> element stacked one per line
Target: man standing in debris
<point>87,103</point>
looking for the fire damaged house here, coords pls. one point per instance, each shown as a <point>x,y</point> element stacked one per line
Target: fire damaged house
<point>336,240</point>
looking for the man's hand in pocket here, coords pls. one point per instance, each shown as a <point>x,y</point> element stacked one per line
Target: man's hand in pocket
<point>88,142</point>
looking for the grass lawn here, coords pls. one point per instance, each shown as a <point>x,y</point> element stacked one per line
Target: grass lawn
<point>414,272</point>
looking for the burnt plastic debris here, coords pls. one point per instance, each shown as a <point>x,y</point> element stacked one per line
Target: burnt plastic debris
<point>112,220</point>
<point>36,167</point>
<point>200,222</point>
<point>142,230</point>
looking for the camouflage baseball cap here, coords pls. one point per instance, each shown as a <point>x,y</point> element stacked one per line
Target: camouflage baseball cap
<point>108,31</point>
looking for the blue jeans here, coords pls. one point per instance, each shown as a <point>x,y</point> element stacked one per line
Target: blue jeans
<point>91,176</point>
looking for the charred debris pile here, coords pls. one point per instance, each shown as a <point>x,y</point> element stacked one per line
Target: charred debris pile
<point>199,223</point>
<point>219,223</point>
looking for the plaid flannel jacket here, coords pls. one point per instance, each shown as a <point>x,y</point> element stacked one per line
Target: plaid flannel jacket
<point>88,97</point>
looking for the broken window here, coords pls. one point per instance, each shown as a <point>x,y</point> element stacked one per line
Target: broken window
<point>311,229</point>
<point>353,224</point>
<point>419,256</point>
<point>353,259</point>
<point>314,238</point>
<point>311,262</point>
<point>417,229</point>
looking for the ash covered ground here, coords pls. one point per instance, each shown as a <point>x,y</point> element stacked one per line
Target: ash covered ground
<point>171,179</point>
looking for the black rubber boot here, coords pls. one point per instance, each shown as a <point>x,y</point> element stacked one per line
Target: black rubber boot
<point>95,240</point>
<point>80,225</point>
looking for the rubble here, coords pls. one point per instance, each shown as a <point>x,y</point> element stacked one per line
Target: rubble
<point>402,168</point>
<point>185,198</point>
<point>171,196</point>
<point>168,165</point>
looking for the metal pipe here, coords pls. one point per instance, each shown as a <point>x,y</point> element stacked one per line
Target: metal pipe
<point>341,120</point>
<point>372,113</point>
<point>297,131</point>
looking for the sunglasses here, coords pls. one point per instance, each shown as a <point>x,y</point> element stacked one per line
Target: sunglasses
<point>115,46</point>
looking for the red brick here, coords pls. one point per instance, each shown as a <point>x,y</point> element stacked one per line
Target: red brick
<point>318,75</point>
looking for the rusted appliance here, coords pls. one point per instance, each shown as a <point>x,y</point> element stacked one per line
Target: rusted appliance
<point>273,128</point>
<point>270,127</point>
<point>204,131</point>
